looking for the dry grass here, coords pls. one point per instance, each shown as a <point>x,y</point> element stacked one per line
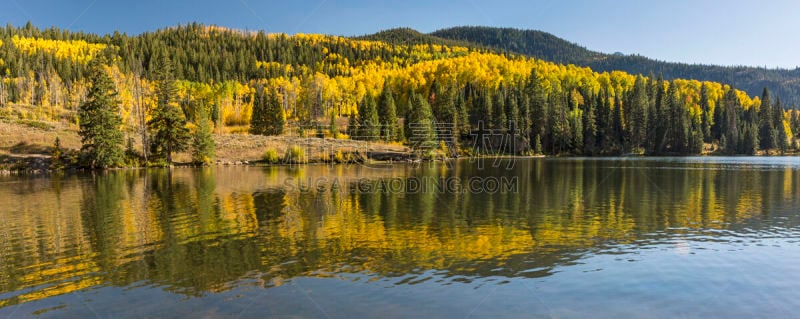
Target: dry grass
<point>21,139</point>
<point>242,147</point>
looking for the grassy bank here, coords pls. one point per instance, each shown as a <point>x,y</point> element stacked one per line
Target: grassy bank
<point>28,146</point>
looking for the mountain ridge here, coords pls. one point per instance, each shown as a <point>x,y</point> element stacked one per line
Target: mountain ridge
<point>784,83</point>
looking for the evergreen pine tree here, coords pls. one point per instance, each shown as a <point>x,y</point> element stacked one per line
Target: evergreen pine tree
<point>57,155</point>
<point>618,129</point>
<point>637,126</point>
<point>167,125</point>
<point>258,117</point>
<point>705,118</point>
<point>421,132</point>
<point>482,113</point>
<point>100,120</point>
<point>750,145</point>
<point>368,120</point>
<point>444,112</point>
<point>768,137</point>
<point>590,127</point>
<point>462,119</point>
<point>781,134</point>
<point>537,145</point>
<point>499,120</point>
<point>512,110</point>
<point>203,148</point>
<point>332,128</point>
<point>537,99</point>
<point>275,117</point>
<point>387,115</point>
<point>729,122</point>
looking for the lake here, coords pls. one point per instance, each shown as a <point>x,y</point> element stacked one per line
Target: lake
<point>694,237</point>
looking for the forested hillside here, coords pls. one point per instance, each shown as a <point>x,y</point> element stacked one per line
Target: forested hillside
<point>784,83</point>
<point>259,83</point>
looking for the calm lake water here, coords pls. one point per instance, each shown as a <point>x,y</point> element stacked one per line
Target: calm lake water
<point>696,237</point>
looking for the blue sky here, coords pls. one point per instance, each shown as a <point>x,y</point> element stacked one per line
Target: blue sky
<point>733,32</point>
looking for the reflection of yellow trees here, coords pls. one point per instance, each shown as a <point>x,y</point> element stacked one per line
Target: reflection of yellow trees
<point>195,231</point>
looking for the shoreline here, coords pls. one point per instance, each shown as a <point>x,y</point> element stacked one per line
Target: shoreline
<point>34,170</point>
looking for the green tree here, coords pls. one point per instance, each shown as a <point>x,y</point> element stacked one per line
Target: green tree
<point>705,118</point>
<point>100,120</point>
<point>387,115</point>
<point>369,127</point>
<point>768,135</point>
<point>332,128</point>
<point>589,127</point>
<point>275,122</point>
<point>421,133</point>
<point>499,119</point>
<point>729,122</point>
<point>203,148</point>
<point>268,117</point>
<point>258,118</point>
<point>481,115</point>
<point>57,156</point>
<point>537,145</point>
<point>462,110</point>
<point>781,135</point>
<point>637,121</point>
<point>750,141</point>
<point>444,113</point>
<point>167,125</point>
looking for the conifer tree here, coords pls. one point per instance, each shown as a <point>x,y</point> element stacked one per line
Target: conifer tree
<point>781,135</point>
<point>167,125</point>
<point>637,127</point>
<point>100,120</point>
<point>444,112</point>
<point>421,133</point>
<point>275,117</point>
<point>203,147</point>
<point>590,127</point>
<point>481,116</point>
<point>258,118</point>
<point>462,119</point>
<point>369,128</point>
<point>387,115</point>
<point>729,122</point>
<point>499,120</point>
<point>706,116</point>
<point>537,145</point>
<point>768,135</point>
<point>332,128</point>
<point>750,141</point>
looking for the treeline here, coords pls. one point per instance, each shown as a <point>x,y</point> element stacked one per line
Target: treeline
<point>652,117</point>
<point>546,46</point>
<point>203,53</point>
<point>426,95</point>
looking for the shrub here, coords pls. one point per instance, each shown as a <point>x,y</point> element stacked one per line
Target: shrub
<point>339,157</point>
<point>295,155</point>
<point>270,156</point>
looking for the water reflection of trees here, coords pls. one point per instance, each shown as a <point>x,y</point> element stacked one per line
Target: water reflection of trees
<point>198,231</point>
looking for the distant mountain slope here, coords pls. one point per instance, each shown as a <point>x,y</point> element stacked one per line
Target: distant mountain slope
<point>408,36</point>
<point>783,83</point>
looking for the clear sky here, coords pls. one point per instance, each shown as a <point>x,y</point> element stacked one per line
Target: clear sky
<point>726,32</point>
